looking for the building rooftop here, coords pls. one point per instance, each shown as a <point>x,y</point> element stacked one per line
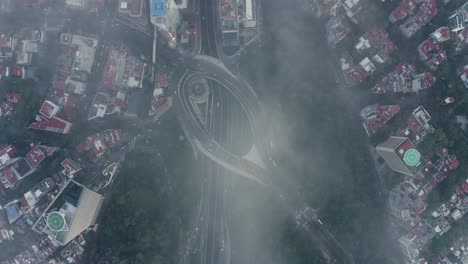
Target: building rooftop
<point>9,176</point>
<point>158,8</point>
<point>404,80</point>
<point>418,126</point>
<point>85,50</point>
<point>441,34</point>
<point>378,44</point>
<point>401,155</point>
<point>48,109</point>
<point>422,81</point>
<point>13,97</point>
<point>403,9</point>
<point>107,104</point>
<point>72,212</point>
<point>133,8</point>
<point>98,143</point>
<point>415,14</point>
<point>337,29</point>
<point>376,116</point>
<point>459,20</point>
<point>54,124</point>
<point>359,72</point>
<point>432,53</point>
<point>70,167</point>
<point>122,71</point>
<point>464,76</point>
<point>161,80</point>
<point>35,156</point>
<point>160,105</point>
<point>7,149</point>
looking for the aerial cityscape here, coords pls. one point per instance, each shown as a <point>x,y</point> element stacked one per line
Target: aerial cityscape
<point>234,131</point>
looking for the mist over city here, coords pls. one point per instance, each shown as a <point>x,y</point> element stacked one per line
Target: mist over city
<point>233,131</point>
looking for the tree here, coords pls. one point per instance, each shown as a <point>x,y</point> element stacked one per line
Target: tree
<point>435,142</point>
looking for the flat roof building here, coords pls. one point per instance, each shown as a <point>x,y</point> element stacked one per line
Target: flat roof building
<point>86,48</point>
<point>72,212</point>
<point>165,15</point>
<point>122,71</point>
<point>54,124</point>
<point>400,155</point>
<point>49,109</point>
<point>459,20</point>
<point>79,4</point>
<point>133,8</point>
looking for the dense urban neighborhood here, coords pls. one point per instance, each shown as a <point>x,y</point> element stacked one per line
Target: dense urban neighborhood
<point>107,104</point>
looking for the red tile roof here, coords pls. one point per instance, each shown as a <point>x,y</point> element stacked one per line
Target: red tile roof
<point>120,68</point>
<point>58,85</point>
<point>427,47</point>
<point>8,178</point>
<point>428,80</point>
<point>48,109</point>
<point>453,162</point>
<point>35,156</point>
<point>13,97</point>
<point>442,34</point>
<point>70,100</point>
<point>400,12</point>
<point>161,79</point>
<point>110,69</point>
<point>70,166</point>
<point>406,146</point>
<point>81,147</point>
<point>99,142</point>
<point>421,207</point>
<point>380,40</point>
<point>376,116</point>
<point>160,103</point>
<point>55,124</point>
<point>110,109</point>
<point>9,149</point>
<point>465,186</point>
<point>355,75</point>
<point>413,124</point>
<point>121,99</point>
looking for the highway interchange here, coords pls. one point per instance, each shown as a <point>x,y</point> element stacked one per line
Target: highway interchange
<point>209,116</point>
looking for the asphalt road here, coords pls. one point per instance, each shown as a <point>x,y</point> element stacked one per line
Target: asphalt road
<point>210,145</point>
<point>211,226</point>
<point>208,139</point>
<point>241,92</point>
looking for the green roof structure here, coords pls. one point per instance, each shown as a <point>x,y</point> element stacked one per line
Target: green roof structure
<point>56,221</point>
<point>412,157</point>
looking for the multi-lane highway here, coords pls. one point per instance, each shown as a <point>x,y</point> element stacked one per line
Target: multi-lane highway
<point>210,145</point>
<point>208,69</point>
<point>208,128</point>
<point>209,238</point>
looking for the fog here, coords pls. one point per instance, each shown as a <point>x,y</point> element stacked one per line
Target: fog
<point>319,143</point>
